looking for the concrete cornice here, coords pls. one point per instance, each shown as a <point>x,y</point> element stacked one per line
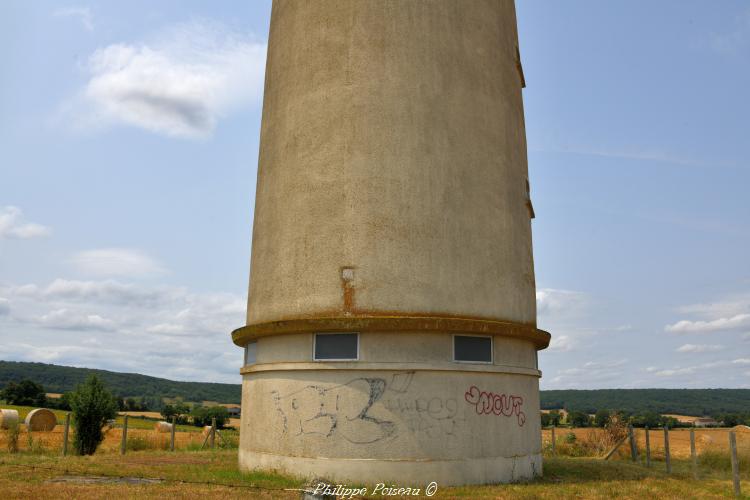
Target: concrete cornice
<point>539,338</point>
<point>399,367</point>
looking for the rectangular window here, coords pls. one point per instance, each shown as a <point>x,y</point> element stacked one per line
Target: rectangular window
<point>336,347</point>
<point>472,349</point>
<point>251,349</point>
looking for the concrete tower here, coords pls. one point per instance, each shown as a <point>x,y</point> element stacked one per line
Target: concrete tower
<point>391,325</point>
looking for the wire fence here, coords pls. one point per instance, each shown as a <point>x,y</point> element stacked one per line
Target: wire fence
<point>705,449</point>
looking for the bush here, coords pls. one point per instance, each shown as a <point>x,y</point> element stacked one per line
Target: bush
<point>579,419</point>
<point>92,406</point>
<point>24,393</point>
<point>12,434</point>
<point>601,418</point>
<point>202,415</point>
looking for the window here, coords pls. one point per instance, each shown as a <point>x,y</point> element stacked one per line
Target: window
<point>472,349</point>
<point>251,350</point>
<point>336,347</point>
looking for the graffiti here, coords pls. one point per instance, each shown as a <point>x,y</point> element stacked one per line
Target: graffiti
<point>486,403</point>
<point>432,416</point>
<point>343,410</point>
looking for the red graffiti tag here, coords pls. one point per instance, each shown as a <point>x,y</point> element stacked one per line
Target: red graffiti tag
<point>486,403</point>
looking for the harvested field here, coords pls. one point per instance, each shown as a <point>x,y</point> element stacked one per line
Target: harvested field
<point>706,440</point>
<point>137,439</point>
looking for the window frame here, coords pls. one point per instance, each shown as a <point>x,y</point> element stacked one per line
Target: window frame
<point>315,343</point>
<point>247,346</point>
<point>492,349</point>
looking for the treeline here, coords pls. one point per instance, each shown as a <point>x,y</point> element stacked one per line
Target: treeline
<point>697,402</point>
<point>603,417</point>
<point>31,393</point>
<point>140,388</point>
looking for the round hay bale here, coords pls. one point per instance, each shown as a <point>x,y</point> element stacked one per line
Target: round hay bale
<point>163,427</point>
<point>741,428</point>
<point>8,418</point>
<point>41,419</point>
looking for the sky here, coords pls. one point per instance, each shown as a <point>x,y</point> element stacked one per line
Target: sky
<point>128,158</point>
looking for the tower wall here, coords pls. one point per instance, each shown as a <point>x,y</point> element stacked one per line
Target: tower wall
<point>392,201</point>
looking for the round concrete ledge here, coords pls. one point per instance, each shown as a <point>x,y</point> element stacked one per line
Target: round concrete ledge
<point>539,338</point>
<point>361,365</point>
<point>401,472</point>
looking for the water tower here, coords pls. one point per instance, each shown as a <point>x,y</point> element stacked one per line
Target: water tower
<point>391,325</point>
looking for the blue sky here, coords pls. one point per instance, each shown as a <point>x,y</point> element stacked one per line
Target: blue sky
<point>128,152</point>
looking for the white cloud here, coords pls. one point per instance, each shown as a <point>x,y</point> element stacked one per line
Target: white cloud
<point>82,13</point>
<point>65,319</point>
<point>697,348</point>
<point>591,374</point>
<point>179,85</point>
<point>730,306</point>
<point>163,331</point>
<point>4,306</point>
<point>725,368</point>
<point>561,343</point>
<point>106,292</point>
<point>116,262</point>
<point>562,303</point>
<point>675,372</point>
<point>717,325</point>
<point>13,226</point>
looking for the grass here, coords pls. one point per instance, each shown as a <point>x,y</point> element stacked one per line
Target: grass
<point>216,475</point>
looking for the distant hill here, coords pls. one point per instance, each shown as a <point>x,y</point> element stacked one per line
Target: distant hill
<point>696,402</point>
<point>56,378</point>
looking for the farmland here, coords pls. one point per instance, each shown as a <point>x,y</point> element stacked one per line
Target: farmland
<point>148,470</point>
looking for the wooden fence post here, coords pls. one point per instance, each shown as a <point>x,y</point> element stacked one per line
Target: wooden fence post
<point>666,450</point>
<point>633,448</point>
<point>693,456</point>
<point>735,464</point>
<point>553,439</point>
<point>124,444</point>
<point>174,424</point>
<point>66,429</point>
<point>648,449</point>
<point>213,433</point>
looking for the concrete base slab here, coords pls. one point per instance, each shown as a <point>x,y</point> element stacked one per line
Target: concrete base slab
<point>403,472</point>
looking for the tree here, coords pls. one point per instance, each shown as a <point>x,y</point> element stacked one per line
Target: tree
<point>545,420</point>
<point>554,417</point>
<point>61,403</point>
<point>601,418</point>
<point>579,419</point>
<point>731,419</point>
<point>202,415</point>
<point>24,393</point>
<point>92,405</point>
